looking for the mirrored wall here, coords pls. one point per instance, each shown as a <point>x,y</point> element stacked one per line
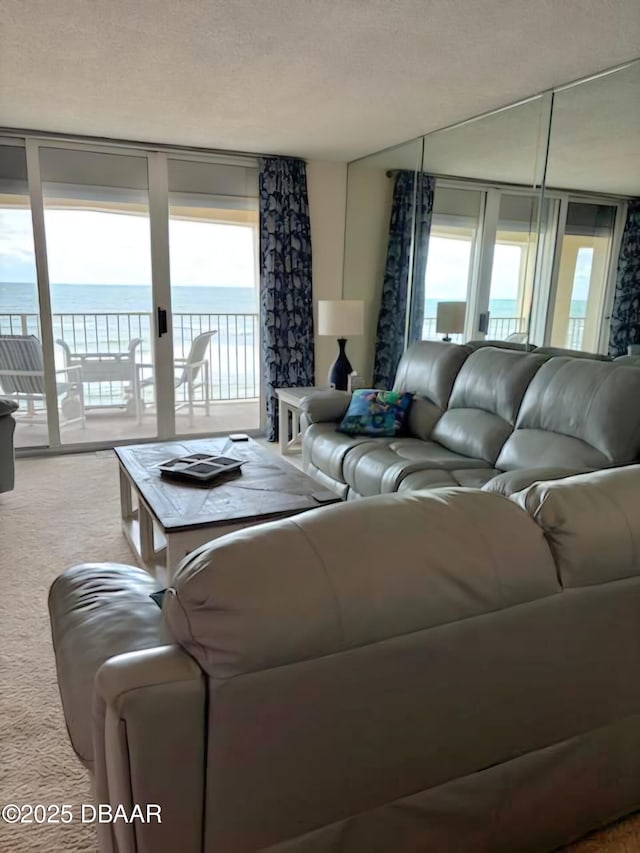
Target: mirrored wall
<point>510,228</point>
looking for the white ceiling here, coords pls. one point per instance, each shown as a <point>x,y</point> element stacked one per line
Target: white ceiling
<point>332,79</point>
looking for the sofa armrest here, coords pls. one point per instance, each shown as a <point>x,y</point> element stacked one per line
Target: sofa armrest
<point>323,406</point>
<point>149,734</point>
<point>511,482</point>
<point>98,610</point>
<point>7,406</point>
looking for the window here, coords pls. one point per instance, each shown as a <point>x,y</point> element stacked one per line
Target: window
<point>213,246</point>
<point>585,250</point>
<point>452,252</point>
<point>513,265</point>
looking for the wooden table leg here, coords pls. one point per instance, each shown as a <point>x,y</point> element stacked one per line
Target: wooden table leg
<point>283,426</point>
<point>147,549</point>
<point>126,505</point>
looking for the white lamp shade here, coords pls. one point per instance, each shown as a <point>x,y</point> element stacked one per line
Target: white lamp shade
<point>340,318</point>
<point>450,317</point>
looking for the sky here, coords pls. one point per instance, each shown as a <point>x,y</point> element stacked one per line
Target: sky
<point>107,248</point>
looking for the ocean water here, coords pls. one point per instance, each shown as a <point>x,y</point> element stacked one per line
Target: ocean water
<point>21,298</point>
<point>106,318</point>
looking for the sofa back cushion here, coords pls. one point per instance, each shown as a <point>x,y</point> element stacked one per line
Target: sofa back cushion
<point>428,370</point>
<point>357,573</point>
<point>485,400</point>
<point>591,522</point>
<point>577,413</point>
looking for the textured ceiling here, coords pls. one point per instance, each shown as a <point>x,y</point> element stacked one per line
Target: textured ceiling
<point>333,79</point>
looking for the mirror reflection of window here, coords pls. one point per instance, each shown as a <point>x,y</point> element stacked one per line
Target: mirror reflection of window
<point>582,277</point>
<point>513,266</point>
<point>452,252</point>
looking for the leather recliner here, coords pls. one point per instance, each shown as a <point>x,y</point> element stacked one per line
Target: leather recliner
<point>448,669</point>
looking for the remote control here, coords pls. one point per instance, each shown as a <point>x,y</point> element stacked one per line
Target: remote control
<point>238,436</point>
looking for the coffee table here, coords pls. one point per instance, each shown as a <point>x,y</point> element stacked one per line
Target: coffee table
<point>163,520</point>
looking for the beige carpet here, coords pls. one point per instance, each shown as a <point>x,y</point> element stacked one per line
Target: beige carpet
<point>65,510</point>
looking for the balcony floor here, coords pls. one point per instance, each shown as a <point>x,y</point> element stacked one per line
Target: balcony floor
<point>114,425</point>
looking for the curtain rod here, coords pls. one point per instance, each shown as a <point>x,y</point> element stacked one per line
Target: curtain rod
<point>391,173</point>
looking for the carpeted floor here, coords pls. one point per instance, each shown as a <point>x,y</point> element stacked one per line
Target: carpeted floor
<point>65,510</point>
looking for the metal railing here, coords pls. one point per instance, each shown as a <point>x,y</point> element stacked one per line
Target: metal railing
<point>501,327</point>
<point>233,353</point>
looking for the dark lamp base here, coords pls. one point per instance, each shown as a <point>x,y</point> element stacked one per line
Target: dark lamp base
<point>340,369</point>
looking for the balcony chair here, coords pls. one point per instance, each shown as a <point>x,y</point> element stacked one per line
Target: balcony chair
<point>190,369</point>
<point>22,380</point>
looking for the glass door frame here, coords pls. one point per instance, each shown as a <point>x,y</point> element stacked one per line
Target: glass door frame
<point>556,234</point>
<point>157,158</point>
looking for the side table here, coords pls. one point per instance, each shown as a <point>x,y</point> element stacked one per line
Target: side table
<point>289,400</point>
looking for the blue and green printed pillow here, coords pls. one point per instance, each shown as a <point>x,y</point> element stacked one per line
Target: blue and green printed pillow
<point>373,412</point>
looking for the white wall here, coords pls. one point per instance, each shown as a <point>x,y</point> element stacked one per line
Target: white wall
<point>368,209</point>
<point>327,188</point>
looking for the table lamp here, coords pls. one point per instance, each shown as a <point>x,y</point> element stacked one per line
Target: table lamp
<point>340,318</point>
<point>450,318</point>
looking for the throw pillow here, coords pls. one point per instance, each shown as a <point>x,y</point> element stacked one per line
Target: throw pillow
<point>377,413</point>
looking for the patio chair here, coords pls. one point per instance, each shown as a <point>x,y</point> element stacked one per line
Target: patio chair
<point>194,374</point>
<point>22,379</point>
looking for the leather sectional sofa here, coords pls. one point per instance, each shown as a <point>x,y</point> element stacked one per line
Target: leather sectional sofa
<point>491,417</point>
<point>443,670</point>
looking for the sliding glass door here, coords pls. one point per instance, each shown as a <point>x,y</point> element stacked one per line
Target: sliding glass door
<point>96,215</point>
<point>583,269</point>
<point>128,293</point>
<point>213,241</point>
<point>21,355</point>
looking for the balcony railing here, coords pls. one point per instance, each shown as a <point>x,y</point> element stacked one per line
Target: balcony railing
<point>233,353</point>
<point>501,327</point>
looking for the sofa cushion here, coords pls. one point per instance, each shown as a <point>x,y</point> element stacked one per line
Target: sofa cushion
<point>428,370</point>
<point>485,400</point>
<point>326,449</point>
<point>508,483</point>
<point>432,478</point>
<point>577,413</point>
<point>375,413</point>
<point>357,573</point>
<point>378,469</point>
<point>591,522</point>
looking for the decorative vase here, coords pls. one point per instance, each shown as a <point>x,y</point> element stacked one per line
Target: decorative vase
<point>341,368</point>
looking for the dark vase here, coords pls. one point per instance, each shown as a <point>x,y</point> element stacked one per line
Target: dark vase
<point>341,368</point>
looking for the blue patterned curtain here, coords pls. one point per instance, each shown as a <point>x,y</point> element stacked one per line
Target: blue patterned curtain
<point>404,272</point>
<point>625,317</point>
<point>286,306</point>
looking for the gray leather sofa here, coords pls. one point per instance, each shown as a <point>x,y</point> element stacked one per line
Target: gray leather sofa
<point>482,417</point>
<point>7,428</point>
<point>443,670</point>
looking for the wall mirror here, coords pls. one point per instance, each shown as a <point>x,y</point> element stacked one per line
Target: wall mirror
<point>487,214</point>
<point>592,179</point>
<point>511,225</point>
